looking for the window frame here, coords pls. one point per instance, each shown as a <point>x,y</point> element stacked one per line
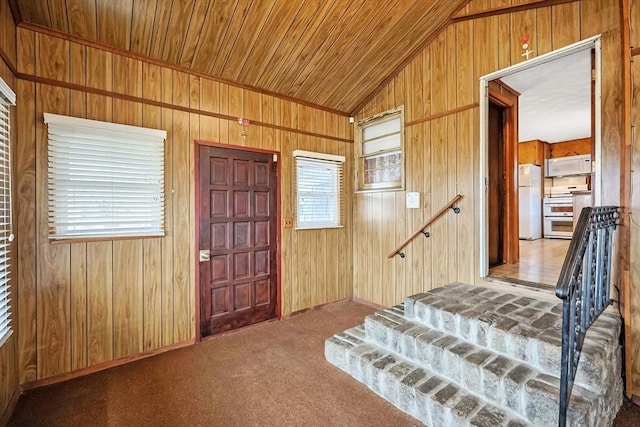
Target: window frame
<point>360,158</point>
<point>92,136</point>
<point>319,159</point>
<point>7,100</point>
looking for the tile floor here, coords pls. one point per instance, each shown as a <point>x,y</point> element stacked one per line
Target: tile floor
<point>540,262</point>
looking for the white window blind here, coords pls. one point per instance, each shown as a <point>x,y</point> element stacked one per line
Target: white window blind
<point>105,180</point>
<point>7,99</point>
<point>318,190</point>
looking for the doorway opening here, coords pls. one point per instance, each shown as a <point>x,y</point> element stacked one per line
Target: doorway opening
<point>237,221</point>
<point>502,191</point>
<point>543,208</point>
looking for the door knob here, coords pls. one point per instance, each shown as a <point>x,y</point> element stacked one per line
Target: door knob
<point>205,255</point>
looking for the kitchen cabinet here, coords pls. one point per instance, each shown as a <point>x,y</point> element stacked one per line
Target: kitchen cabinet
<point>534,152</point>
<point>574,147</point>
<point>581,199</point>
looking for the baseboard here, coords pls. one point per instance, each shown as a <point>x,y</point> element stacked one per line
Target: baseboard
<point>6,415</point>
<point>316,307</point>
<point>106,365</point>
<point>368,303</point>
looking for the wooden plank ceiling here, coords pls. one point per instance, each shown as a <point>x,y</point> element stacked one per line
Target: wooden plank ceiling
<point>332,53</point>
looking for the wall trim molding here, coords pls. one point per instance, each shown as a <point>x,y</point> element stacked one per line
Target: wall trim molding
<point>442,114</point>
<point>103,366</point>
<point>535,4</point>
<point>105,47</point>
<point>7,61</point>
<point>161,104</point>
<point>15,13</point>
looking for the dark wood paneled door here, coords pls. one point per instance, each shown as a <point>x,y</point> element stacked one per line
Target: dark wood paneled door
<point>503,242</point>
<point>238,226</point>
<point>496,193</point>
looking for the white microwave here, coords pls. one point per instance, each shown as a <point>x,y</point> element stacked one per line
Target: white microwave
<point>571,165</point>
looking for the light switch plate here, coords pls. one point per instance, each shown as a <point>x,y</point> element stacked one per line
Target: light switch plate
<point>413,200</point>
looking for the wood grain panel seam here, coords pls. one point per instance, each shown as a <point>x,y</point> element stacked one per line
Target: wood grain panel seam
<point>102,366</point>
<point>509,9</point>
<point>97,45</point>
<point>122,96</point>
<point>442,114</point>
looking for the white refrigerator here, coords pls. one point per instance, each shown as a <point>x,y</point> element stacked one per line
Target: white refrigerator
<point>530,201</point>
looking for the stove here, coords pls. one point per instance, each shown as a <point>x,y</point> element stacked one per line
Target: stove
<point>557,210</point>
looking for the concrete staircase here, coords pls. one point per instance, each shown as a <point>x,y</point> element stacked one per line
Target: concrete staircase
<point>465,355</point>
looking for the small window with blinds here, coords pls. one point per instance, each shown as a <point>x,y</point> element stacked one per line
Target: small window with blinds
<point>7,99</point>
<point>379,152</point>
<point>319,201</point>
<point>105,180</point>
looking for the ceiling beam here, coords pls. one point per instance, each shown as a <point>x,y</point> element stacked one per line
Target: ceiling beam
<point>535,4</point>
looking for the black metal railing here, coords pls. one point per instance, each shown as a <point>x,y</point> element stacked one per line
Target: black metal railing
<point>584,287</point>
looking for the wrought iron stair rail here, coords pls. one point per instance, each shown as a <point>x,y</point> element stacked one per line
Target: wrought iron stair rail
<point>584,287</point>
<point>450,205</point>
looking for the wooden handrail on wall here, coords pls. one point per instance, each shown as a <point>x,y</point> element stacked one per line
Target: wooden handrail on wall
<point>449,205</point>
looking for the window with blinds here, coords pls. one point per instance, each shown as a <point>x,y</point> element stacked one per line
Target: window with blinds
<point>105,180</point>
<point>379,152</point>
<point>318,190</point>
<point>7,99</point>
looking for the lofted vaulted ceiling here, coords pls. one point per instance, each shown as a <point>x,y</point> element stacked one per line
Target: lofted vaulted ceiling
<point>333,53</point>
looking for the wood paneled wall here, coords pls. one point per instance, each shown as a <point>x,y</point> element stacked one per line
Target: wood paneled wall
<point>84,304</point>
<point>442,153</point>
<point>7,35</point>
<point>8,350</point>
<point>634,207</point>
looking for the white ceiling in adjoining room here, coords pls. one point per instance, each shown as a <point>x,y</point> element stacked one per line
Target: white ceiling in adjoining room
<point>555,100</point>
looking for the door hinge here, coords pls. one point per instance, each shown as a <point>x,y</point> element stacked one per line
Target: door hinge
<point>275,157</point>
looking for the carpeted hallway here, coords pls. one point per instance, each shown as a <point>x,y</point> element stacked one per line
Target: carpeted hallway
<point>272,374</point>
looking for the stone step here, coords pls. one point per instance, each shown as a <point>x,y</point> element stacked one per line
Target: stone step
<point>520,327</point>
<point>430,398</point>
<point>497,378</point>
<point>462,354</point>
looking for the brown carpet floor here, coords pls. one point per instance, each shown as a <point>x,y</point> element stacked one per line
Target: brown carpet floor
<point>272,374</point>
